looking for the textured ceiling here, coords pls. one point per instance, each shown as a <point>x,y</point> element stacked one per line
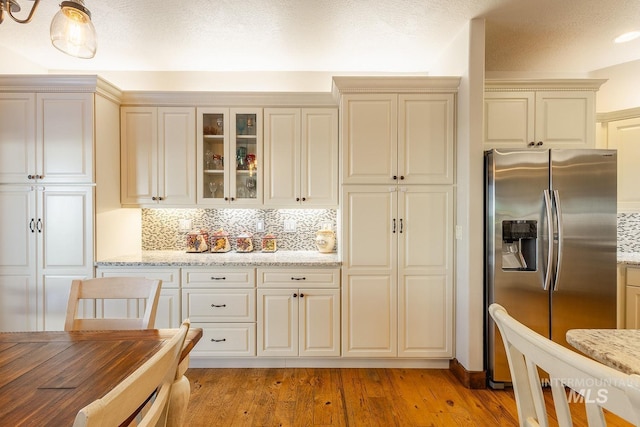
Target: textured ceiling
<point>402,36</point>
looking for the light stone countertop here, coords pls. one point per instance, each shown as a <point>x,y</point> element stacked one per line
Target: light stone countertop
<point>232,258</point>
<point>631,258</point>
<point>616,348</point>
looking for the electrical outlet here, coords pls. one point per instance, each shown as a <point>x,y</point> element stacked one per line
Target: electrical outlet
<point>259,226</point>
<point>289,226</point>
<point>185,225</point>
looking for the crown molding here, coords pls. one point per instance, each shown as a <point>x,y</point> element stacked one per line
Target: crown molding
<point>406,84</point>
<point>228,99</point>
<point>51,83</point>
<point>506,85</point>
<point>630,113</point>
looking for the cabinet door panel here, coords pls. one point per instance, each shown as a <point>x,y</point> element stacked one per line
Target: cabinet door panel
<point>177,155</point>
<point>18,303</point>
<point>17,230</point>
<point>65,135</point>
<point>565,119</point>
<point>17,136</point>
<point>370,140</point>
<point>67,224</point>
<point>168,312</point>
<point>425,323</point>
<point>139,154</point>
<point>509,119</point>
<point>319,156</point>
<point>55,295</point>
<point>425,138</point>
<point>369,316</point>
<point>277,323</point>
<point>282,148</point>
<point>370,227</point>
<point>624,136</point>
<point>426,237</point>
<point>319,322</point>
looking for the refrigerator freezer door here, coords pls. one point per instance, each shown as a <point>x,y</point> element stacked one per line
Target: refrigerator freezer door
<point>516,182</point>
<point>584,188</point>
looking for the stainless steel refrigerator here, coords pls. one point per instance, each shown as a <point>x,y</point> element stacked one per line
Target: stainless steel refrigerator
<point>550,239</point>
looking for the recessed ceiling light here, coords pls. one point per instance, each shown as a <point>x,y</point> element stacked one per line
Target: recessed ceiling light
<point>626,37</point>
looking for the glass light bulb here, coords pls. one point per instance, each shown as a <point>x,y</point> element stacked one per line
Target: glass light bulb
<point>73,33</point>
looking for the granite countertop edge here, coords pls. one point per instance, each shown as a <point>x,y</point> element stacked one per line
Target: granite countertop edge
<point>630,258</point>
<point>251,259</point>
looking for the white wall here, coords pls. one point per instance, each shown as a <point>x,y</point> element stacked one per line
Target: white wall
<point>465,58</point>
<point>12,63</point>
<point>620,92</point>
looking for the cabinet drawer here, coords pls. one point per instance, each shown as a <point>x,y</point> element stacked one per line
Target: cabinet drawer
<point>170,277</point>
<point>222,278</point>
<point>219,305</point>
<point>226,339</point>
<point>633,276</point>
<point>299,277</point>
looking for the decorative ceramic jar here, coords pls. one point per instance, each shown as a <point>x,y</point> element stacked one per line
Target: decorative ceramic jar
<point>220,241</point>
<point>244,243</point>
<point>325,240</point>
<point>197,241</point>
<point>269,243</point>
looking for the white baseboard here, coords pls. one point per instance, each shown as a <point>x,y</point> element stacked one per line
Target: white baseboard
<point>266,362</point>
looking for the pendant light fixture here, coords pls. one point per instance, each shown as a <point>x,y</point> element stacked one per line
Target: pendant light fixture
<point>71,30</point>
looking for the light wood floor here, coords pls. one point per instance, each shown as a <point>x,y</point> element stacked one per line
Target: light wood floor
<point>350,397</point>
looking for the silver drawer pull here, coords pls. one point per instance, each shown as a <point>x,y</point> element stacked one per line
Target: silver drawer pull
<point>218,278</point>
<point>215,340</point>
<point>298,278</point>
<point>218,306</point>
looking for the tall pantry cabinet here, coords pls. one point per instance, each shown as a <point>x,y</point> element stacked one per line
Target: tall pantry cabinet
<point>47,190</point>
<point>397,201</point>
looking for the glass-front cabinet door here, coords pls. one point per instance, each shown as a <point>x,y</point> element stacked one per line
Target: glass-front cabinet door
<point>229,156</point>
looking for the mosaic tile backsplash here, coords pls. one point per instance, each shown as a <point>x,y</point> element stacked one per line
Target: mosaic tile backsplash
<point>161,227</point>
<point>629,232</point>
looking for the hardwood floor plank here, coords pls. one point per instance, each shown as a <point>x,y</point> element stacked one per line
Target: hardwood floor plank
<point>352,398</point>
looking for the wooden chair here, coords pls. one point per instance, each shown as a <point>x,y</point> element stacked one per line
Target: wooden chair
<point>154,378</point>
<point>109,288</point>
<point>587,380</point>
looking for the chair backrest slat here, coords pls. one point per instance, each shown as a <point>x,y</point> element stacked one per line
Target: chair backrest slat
<point>113,288</point>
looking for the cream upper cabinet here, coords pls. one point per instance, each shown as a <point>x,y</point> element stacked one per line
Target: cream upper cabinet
<point>158,156</point>
<point>540,114</point>
<point>397,292</point>
<point>229,157</point>
<point>624,136</point>
<point>301,157</point>
<point>46,137</point>
<point>398,138</point>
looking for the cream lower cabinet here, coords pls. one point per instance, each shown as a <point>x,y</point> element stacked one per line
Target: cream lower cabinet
<point>632,298</point>
<point>221,301</point>
<point>168,312</point>
<point>298,312</point>
<point>397,275</point>
<point>46,242</point>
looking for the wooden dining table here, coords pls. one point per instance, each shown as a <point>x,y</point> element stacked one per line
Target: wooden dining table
<point>47,377</point>
<point>616,348</point>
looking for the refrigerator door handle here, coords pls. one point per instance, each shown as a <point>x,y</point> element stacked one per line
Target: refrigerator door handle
<point>556,197</point>
<point>547,205</point>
